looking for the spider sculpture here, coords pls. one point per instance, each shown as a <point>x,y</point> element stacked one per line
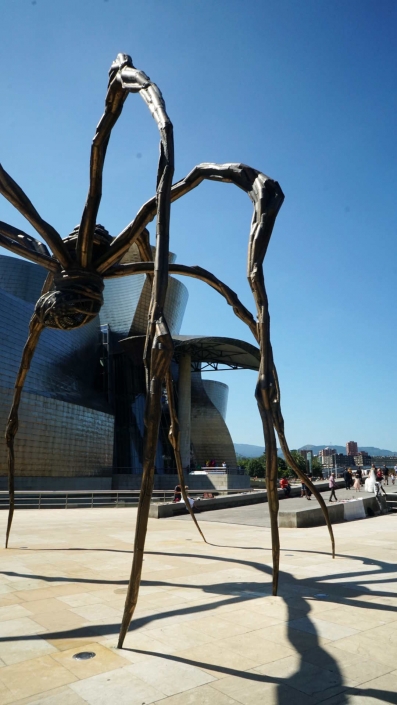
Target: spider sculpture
<point>72,295</point>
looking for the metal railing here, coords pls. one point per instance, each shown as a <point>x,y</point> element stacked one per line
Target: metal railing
<point>66,499</point>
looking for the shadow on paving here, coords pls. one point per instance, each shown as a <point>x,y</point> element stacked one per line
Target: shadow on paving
<point>318,673</point>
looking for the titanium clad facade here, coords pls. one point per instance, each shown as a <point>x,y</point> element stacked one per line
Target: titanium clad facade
<point>127,299</point>
<point>65,425</point>
<point>21,278</point>
<point>58,439</point>
<point>210,436</point>
<point>218,393</point>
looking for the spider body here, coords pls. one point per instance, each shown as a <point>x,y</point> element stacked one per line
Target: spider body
<point>75,296</point>
<point>75,300</point>
<point>72,294</point>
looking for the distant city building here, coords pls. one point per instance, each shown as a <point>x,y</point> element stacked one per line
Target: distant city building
<point>351,448</point>
<point>362,459</point>
<point>337,460</point>
<point>389,460</point>
<point>326,452</point>
<point>344,461</point>
<point>327,461</point>
<point>308,456</point>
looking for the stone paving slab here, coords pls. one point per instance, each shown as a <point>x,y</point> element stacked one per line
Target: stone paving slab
<point>207,630</point>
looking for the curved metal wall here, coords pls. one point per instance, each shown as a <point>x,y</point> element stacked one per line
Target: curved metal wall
<point>218,393</point>
<point>57,439</point>
<point>210,436</point>
<point>127,299</point>
<point>20,278</point>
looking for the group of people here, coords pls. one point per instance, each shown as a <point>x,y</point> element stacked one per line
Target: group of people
<point>353,481</point>
<point>373,480</point>
<point>178,495</point>
<point>349,482</point>
<point>179,498</point>
<point>381,475</point>
<point>286,487</point>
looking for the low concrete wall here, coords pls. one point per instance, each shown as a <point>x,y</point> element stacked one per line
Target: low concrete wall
<point>304,518</point>
<point>161,511</point>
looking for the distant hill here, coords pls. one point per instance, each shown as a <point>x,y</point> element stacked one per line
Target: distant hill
<point>248,451</point>
<point>342,449</point>
<point>378,451</point>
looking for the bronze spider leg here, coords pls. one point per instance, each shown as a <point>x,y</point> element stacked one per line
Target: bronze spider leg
<point>145,267</point>
<point>145,252</point>
<point>242,312</point>
<point>267,198</point>
<point>26,246</point>
<point>158,347</point>
<point>13,193</point>
<point>114,103</point>
<point>35,328</point>
<point>174,440</point>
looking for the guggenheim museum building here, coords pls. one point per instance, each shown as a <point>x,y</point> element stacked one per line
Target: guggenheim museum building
<point>82,409</point>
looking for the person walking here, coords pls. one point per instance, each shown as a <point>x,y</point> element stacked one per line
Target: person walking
<point>332,485</point>
<point>346,477</point>
<point>385,471</point>
<point>357,483</point>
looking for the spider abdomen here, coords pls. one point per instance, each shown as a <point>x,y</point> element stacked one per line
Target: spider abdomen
<point>74,300</point>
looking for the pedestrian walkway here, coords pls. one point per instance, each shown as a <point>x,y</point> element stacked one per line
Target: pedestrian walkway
<point>258,514</point>
<point>207,630</point>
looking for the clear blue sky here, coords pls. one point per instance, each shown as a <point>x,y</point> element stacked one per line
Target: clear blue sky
<point>305,91</point>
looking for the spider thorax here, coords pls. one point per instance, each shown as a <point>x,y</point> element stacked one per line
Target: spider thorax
<point>75,297</point>
<point>74,300</point>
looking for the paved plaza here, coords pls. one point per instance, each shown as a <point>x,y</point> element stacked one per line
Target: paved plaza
<point>207,630</point>
<point>258,514</point>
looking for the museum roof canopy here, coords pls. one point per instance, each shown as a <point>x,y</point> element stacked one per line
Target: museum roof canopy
<point>217,353</point>
<point>207,353</point>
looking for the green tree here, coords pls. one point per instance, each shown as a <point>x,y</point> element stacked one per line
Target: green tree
<point>317,468</point>
<point>282,468</point>
<point>299,460</point>
<point>256,467</point>
<point>243,462</point>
